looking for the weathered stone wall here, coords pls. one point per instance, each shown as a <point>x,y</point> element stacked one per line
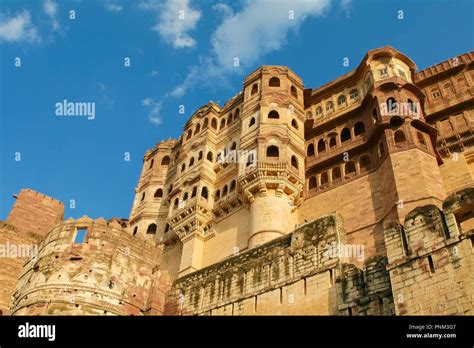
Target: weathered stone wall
<point>35,212</point>
<point>111,273</point>
<point>15,246</point>
<point>293,274</point>
<point>431,260</point>
<point>32,216</point>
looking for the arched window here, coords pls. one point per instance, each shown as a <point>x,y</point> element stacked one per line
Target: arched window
<point>175,204</point>
<point>391,105</point>
<point>229,119</point>
<point>364,163</point>
<point>324,179</point>
<point>272,151</point>
<point>448,89</point>
<point>236,114</point>
<point>312,183</point>
<point>294,161</point>
<point>165,161</point>
<point>381,150</point>
<point>159,193</point>
<point>167,227</point>
<point>250,160</point>
<point>224,191</point>
<point>336,174</point>
<point>359,128</point>
<point>273,114</point>
<point>200,156</point>
<point>354,94</point>
<point>309,115</point>
<point>435,93</point>
<point>185,197</point>
<point>294,124</point>
<point>252,122</point>
<point>321,146</point>
<point>194,193</point>
<point>190,133</point>
<point>135,231</point>
<point>232,186</point>
<point>310,150</point>
<point>345,135</point>
<point>198,129</point>
<point>233,146</point>
<point>411,106</point>
<point>183,167</point>
<point>400,138</point>
<point>341,101</point>
<point>294,91</point>
<point>209,156</point>
<point>421,140</point>
<point>274,82</point>
<point>330,106</point>
<point>254,89</point>
<point>214,123</point>
<point>204,125</point>
<point>349,169</point>
<point>151,163</point>
<point>143,197</point>
<point>151,229</point>
<point>204,192</point>
<point>218,195</point>
<point>332,142</point>
<point>222,123</point>
<point>319,111</point>
<point>191,162</point>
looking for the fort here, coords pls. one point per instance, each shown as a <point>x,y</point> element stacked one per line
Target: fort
<point>354,198</point>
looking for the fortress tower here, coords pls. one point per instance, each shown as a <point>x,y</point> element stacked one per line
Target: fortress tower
<point>272,177</point>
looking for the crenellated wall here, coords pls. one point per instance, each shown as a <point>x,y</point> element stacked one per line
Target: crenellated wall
<point>294,274</point>
<point>431,260</point>
<point>33,214</point>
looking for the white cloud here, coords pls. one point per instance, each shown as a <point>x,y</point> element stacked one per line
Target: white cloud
<point>114,8</point>
<point>18,28</point>
<point>226,10</point>
<point>251,33</point>
<point>346,7</point>
<point>258,28</point>
<point>175,18</point>
<point>51,10</point>
<point>155,109</point>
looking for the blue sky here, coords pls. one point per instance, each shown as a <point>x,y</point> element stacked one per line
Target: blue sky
<point>173,61</point>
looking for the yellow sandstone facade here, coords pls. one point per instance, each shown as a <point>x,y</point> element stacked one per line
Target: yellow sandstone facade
<point>355,198</point>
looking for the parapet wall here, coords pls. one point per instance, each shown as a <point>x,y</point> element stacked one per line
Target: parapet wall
<point>293,274</point>
<point>431,261</point>
<point>34,212</point>
<point>32,216</point>
<point>111,272</point>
